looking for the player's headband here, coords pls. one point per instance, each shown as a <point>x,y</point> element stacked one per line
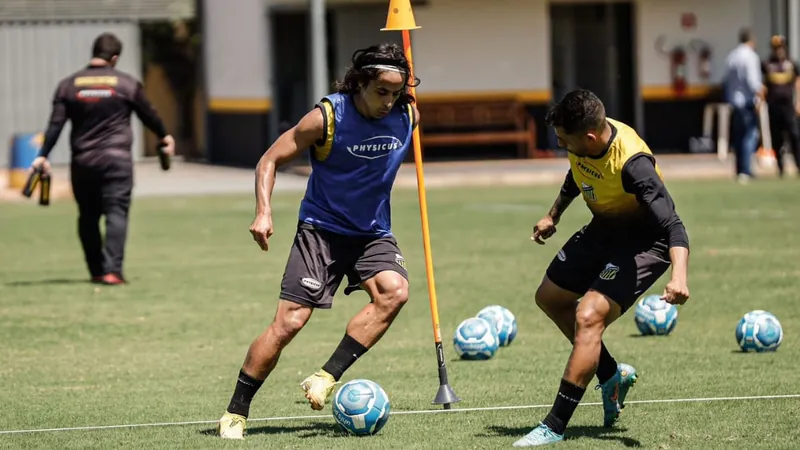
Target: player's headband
<point>385,67</point>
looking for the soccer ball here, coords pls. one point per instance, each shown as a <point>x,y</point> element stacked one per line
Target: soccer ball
<point>655,316</point>
<point>504,322</point>
<point>759,331</point>
<point>475,339</point>
<point>361,407</point>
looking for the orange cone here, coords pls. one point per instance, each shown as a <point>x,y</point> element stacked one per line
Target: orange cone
<point>766,157</point>
<point>400,17</point>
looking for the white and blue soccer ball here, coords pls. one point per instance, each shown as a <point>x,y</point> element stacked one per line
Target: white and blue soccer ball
<point>475,339</point>
<point>759,331</point>
<point>361,407</point>
<point>503,321</point>
<point>655,317</point>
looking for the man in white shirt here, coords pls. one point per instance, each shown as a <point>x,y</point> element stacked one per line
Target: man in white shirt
<point>744,91</point>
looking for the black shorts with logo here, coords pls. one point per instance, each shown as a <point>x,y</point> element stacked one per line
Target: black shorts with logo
<point>320,259</point>
<point>622,272</point>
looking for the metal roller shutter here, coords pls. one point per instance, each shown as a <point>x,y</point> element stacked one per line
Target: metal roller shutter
<point>34,57</point>
<point>95,9</point>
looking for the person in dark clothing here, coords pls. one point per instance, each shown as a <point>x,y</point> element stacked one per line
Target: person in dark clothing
<point>634,236</point>
<point>99,100</point>
<point>782,80</point>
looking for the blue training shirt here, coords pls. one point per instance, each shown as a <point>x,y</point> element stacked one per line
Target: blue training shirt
<point>354,167</point>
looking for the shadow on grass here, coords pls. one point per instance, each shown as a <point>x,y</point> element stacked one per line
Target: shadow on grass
<point>50,281</point>
<point>743,352</point>
<point>458,360</point>
<point>306,430</point>
<point>576,432</point>
<point>650,336</point>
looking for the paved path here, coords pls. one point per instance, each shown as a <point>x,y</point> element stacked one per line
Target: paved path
<point>182,179</point>
<point>202,179</point>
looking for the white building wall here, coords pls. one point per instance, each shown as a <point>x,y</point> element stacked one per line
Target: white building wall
<point>458,51</point>
<point>236,51</point>
<point>718,23</point>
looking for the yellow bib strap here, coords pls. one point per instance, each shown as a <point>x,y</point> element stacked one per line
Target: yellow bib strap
<point>322,148</point>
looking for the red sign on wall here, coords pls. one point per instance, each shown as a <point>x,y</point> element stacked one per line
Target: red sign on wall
<point>688,21</point>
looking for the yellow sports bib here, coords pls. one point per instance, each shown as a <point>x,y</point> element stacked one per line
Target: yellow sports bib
<point>600,179</point>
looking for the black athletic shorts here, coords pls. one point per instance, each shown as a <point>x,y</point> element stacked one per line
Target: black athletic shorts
<point>620,271</point>
<point>320,259</point>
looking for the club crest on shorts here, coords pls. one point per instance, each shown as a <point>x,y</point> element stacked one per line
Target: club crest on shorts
<point>610,272</point>
<point>588,192</point>
<point>398,258</point>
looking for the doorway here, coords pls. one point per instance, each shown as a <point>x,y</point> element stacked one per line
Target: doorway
<point>592,48</point>
<point>358,26</point>
<point>291,64</point>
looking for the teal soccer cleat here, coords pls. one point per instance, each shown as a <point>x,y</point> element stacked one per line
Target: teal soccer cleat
<point>541,435</point>
<point>628,377</point>
<point>610,392</point>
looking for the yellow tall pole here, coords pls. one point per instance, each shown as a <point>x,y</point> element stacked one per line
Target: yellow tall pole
<point>401,18</point>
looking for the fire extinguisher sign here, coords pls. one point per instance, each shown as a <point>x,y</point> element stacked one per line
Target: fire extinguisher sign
<point>688,21</point>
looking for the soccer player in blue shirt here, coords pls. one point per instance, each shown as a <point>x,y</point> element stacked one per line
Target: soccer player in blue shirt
<point>358,138</point>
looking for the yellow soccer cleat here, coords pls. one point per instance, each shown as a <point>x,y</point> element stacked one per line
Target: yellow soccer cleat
<point>232,426</point>
<point>318,388</point>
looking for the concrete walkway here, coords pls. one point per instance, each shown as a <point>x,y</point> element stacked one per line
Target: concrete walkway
<point>182,179</point>
<point>202,179</point>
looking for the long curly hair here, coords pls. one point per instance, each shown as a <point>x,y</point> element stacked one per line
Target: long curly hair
<point>387,54</point>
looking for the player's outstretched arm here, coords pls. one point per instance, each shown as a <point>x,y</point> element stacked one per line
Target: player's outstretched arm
<point>569,190</point>
<point>288,146</point>
<point>148,114</point>
<point>677,290</point>
<point>58,118</point>
<point>639,177</point>
<point>546,227</point>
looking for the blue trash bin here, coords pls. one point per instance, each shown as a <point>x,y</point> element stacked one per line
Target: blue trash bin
<point>24,148</point>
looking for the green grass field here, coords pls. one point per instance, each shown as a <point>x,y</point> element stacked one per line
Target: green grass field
<point>167,347</point>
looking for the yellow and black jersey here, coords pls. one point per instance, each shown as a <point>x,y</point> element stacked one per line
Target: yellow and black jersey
<point>779,78</point>
<point>99,101</point>
<point>624,189</point>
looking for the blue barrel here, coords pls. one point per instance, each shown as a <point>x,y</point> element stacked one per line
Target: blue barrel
<point>24,148</point>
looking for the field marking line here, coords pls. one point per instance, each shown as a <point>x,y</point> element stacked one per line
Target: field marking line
<point>397,413</point>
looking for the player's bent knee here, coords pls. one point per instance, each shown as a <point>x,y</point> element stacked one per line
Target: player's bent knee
<point>289,320</point>
<point>588,319</point>
<point>550,297</point>
<point>286,329</point>
<point>391,290</point>
<point>595,311</point>
<point>591,311</point>
<point>544,300</point>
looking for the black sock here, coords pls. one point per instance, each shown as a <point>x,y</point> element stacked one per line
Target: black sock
<point>567,400</point>
<point>607,366</point>
<point>246,388</point>
<point>345,355</point>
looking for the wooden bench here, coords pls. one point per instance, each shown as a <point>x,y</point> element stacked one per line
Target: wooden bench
<point>478,122</point>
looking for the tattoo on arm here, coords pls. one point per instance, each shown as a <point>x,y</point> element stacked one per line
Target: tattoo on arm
<point>560,205</point>
<point>569,190</point>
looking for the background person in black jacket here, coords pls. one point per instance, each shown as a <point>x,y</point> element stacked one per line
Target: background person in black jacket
<point>99,100</point>
<point>782,80</point>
